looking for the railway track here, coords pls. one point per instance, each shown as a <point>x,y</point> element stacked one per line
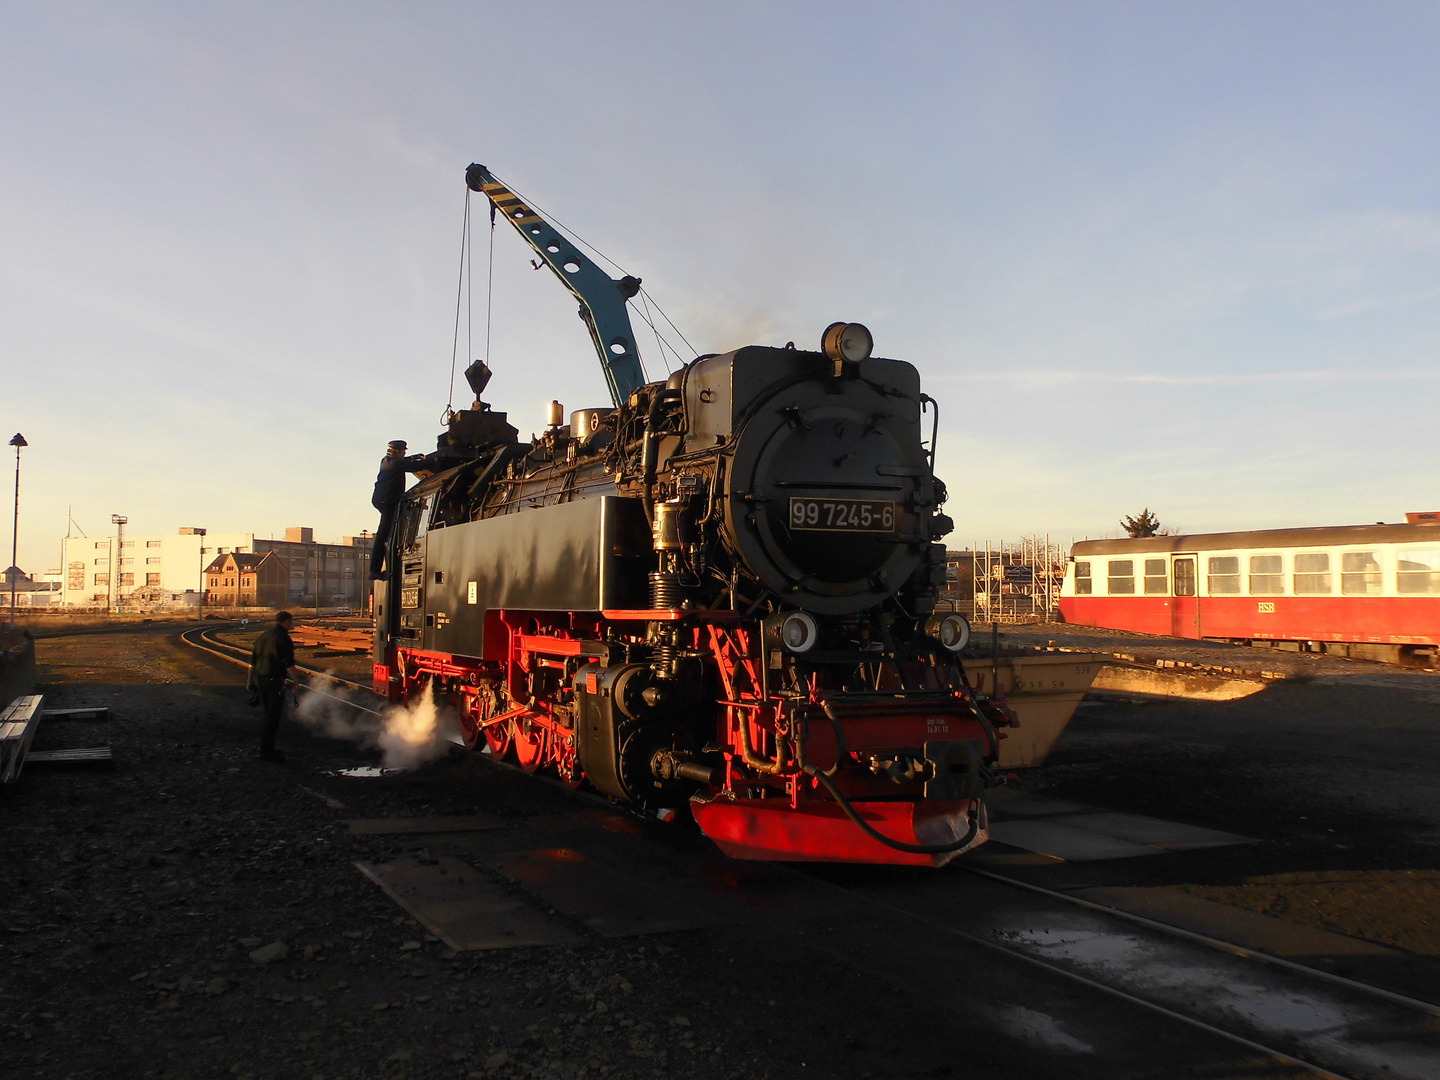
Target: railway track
<point>202,638</point>
<point>1313,1021</point>
<point>1320,1022</point>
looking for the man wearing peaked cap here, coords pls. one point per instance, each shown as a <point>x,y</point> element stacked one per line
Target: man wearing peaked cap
<point>389,486</point>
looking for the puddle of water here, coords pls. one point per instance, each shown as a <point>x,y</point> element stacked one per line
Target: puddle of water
<point>1151,965</point>
<point>1032,1026</point>
<point>365,771</point>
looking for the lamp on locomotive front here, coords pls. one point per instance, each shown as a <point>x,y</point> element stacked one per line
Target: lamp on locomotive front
<point>795,631</point>
<point>952,631</point>
<point>798,632</point>
<point>847,343</point>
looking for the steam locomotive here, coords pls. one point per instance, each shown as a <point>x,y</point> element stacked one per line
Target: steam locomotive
<point>715,596</point>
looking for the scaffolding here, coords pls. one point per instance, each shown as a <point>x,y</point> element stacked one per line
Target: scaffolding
<point>1006,582</point>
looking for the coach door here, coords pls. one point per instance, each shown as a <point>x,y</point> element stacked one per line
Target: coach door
<point>1185,603</point>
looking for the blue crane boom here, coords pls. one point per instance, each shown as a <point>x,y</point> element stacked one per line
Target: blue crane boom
<point>602,298</point>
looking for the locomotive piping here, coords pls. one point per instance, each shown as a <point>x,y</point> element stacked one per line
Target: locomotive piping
<point>757,761</point>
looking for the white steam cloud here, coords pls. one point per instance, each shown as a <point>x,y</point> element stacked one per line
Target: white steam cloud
<point>407,735</point>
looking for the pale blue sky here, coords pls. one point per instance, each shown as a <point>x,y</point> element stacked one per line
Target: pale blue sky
<point>1183,256</point>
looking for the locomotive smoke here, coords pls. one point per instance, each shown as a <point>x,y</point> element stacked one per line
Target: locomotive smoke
<point>407,736</point>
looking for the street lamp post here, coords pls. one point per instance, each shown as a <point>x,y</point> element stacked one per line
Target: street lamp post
<point>19,443</point>
<point>200,607</point>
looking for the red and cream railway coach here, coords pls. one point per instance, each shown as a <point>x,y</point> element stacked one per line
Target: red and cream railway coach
<point>1370,591</point>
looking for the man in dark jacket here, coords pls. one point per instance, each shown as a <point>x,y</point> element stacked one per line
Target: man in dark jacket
<point>272,659</point>
<point>389,486</point>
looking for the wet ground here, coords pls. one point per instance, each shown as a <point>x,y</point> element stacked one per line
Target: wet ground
<point>134,898</point>
<point>1336,767</point>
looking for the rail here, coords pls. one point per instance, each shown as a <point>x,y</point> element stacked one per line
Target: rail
<point>200,638</point>
<point>1220,944</point>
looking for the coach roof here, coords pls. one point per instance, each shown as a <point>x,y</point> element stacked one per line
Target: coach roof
<point>1323,536</point>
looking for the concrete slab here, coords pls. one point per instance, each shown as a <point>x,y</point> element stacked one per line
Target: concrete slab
<point>622,877</point>
<point>1186,683</point>
<point>1007,806</point>
<point>1170,835</point>
<point>463,907</point>
<point>1051,837</point>
<point>1059,826</point>
<point>609,897</point>
<point>430,825</point>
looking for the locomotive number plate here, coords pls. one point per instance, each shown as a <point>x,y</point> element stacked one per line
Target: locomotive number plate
<point>843,515</point>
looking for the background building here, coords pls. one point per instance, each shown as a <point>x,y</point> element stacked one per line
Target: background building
<point>30,592</point>
<point>323,575</point>
<point>160,571</point>
<point>142,570</point>
<point>246,580</point>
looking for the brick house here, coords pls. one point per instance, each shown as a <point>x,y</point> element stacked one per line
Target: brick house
<point>246,580</point>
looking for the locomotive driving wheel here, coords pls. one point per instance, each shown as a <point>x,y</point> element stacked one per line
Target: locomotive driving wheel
<point>497,737</point>
<point>530,740</point>
<point>469,712</point>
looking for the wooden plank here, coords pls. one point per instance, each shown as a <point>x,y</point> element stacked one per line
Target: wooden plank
<point>418,826</point>
<point>98,712</point>
<point>25,710</point>
<point>84,754</point>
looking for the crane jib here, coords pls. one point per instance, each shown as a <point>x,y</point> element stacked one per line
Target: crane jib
<point>602,298</point>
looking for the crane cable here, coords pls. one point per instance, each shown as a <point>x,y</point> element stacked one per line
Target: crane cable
<point>489,281</point>
<point>459,292</point>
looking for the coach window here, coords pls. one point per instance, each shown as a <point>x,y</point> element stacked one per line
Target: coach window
<point>1157,582</point>
<point>1082,579</point>
<point>1360,573</point>
<point>1267,575</point>
<point>1419,572</point>
<point>1122,577</point>
<point>1222,574</point>
<point>1312,574</point>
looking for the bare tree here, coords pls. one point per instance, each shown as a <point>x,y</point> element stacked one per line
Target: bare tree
<point>1146,524</point>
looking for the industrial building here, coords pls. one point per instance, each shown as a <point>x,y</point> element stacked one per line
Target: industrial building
<point>142,570</point>
<point>164,571</point>
<point>324,575</point>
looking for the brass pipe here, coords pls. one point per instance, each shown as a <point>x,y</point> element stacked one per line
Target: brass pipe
<point>756,761</point>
